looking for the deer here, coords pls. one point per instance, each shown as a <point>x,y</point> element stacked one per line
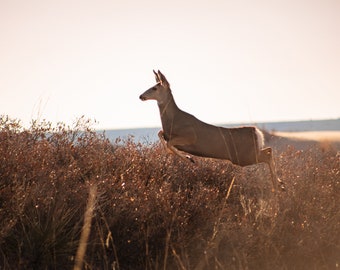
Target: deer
<point>184,135</point>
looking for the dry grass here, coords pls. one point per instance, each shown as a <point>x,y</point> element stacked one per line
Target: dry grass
<point>153,211</point>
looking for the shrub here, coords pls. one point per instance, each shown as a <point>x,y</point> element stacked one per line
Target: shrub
<point>152,210</point>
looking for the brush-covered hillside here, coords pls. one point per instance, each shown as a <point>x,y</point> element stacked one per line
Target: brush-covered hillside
<point>146,209</point>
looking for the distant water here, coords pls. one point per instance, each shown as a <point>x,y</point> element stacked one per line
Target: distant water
<point>143,135</point>
<point>149,135</point>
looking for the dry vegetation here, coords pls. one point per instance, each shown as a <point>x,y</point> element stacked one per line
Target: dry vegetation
<point>153,211</point>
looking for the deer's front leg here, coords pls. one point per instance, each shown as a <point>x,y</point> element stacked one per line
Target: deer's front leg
<point>163,141</point>
<point>172,149</point>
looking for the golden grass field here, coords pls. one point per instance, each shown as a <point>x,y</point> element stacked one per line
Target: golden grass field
<point>70,198</point>
<point>319,136</point>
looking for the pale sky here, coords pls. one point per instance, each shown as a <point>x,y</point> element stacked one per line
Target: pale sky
<point>227,61</point>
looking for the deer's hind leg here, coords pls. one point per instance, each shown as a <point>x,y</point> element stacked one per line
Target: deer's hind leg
<point>172,149</point>
<point>266,156</point>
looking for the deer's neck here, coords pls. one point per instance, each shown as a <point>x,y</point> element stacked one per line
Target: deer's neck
<point>168,109</point>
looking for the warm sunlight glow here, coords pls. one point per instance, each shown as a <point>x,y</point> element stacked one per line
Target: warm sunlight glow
<point>226,61</point>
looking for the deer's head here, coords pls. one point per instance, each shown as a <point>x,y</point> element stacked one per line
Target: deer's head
<point>160,92</point>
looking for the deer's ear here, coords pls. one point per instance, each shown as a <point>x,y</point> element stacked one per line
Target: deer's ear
<point>158,80</point>
<point>163,80</point>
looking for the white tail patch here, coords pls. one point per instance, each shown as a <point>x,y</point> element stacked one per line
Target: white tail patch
<point>260,138</point>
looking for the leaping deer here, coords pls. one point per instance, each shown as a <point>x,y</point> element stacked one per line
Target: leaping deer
<point>183,132</point>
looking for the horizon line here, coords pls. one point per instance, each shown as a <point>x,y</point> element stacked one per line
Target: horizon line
<point>227,123</point>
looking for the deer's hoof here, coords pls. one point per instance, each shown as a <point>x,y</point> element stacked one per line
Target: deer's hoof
<point>190,159</point>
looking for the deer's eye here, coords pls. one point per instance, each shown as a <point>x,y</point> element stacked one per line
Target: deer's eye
<point>154,88</point>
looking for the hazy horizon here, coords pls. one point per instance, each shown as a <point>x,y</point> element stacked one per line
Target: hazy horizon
<point>335,124</point>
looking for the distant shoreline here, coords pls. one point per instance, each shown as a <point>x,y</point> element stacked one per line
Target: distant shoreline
<point>149,135</point>
<point>331,136</point>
